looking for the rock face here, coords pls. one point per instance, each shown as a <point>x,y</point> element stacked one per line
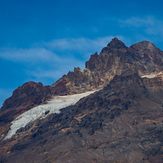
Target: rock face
<point>24,98</point>
<point>121,122</point>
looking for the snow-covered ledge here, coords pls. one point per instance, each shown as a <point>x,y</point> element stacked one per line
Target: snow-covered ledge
<point>53,106</point>
<point>149,76</point>
<point>152,75</point>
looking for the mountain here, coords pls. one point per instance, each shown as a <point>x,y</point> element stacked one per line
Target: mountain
<point>111,111</point>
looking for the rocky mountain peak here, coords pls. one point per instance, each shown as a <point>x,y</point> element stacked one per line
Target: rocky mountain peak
<point>148,54</point>
<point>121,111</point>
<point>144,45</point>
<point>116,43</point>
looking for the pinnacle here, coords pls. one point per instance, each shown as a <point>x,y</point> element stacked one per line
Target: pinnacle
<point>116,43</point>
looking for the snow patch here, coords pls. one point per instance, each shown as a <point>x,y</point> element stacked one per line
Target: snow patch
<point>149,76</point>
<point>160,74</point>
<point>53,106</point>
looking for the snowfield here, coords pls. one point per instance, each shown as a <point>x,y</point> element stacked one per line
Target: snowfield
<point>53,106</point>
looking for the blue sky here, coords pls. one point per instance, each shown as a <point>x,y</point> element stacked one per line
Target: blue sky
<point>42,40</point>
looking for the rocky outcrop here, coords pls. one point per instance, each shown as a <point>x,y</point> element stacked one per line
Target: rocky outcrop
<point>148,55</point>
<point>24,98</point>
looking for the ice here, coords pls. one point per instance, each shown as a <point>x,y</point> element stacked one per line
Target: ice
<point>53,106</point>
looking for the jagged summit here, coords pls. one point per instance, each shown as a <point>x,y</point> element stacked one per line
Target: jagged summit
<point>144,57</point>
<point>113,60</point>
<point>116,43</point>
<point>111,111</point>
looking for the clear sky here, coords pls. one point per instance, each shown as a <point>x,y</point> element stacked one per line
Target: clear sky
<point>41,40</point>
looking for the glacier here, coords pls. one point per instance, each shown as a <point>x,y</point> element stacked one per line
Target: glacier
<point>53,106</point>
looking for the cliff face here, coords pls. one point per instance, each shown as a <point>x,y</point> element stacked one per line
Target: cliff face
<point>120,122</point>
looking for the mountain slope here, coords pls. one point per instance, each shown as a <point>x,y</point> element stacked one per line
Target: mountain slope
<point>120,122</point>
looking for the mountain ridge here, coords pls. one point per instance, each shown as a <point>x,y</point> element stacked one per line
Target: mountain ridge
<point>127,107</point>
